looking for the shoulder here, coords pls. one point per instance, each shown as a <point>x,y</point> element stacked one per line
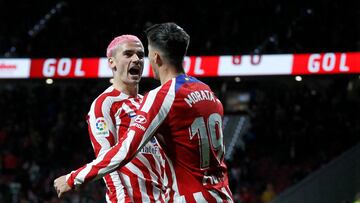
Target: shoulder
<point>160,96</point>
<point>167,88</point>
<point>140,96</point>
<point>106,100</point>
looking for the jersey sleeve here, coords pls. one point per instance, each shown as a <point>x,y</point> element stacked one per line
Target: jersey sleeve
<point>101,126</point>
<point>102,132</point>
<point>153,111</point>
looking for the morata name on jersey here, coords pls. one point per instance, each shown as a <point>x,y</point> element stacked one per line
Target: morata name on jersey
<point>197,96</point>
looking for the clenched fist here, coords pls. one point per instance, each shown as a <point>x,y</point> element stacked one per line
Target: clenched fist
<point>61,185</point>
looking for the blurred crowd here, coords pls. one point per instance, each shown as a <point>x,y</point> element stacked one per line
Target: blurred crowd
<point>217,27</point>
<point>43,135</point>
<point>295,129</point>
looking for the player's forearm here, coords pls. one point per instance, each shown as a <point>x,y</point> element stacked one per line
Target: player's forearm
<point>97,169</point>
<point>111,159</point>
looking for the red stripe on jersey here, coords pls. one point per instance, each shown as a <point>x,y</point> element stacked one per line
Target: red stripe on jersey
<point>98,112</point>
<point>70,181</point>
<point>169,175</point>
<point>100,100</point>
<point>153,108</point>
<point>227,188</point>
<point>136,192</point>
<point>125,122</point>
<point>153,168</point>
<point>96,144</point>
<point>111,138</point>
<point>148,184</point>
<point>210,198</point>
<point>106,160</point>
<point>146,173</point>
<point>128,107</point>
<point>110,184</point>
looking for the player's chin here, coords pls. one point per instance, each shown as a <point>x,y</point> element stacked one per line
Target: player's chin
<point>134,78</point>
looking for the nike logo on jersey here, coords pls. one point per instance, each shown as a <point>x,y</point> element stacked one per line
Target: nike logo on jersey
<point>198,96</point>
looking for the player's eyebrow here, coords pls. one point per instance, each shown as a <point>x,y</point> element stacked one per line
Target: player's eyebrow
<point>141,53</point>
<point>129,51</point>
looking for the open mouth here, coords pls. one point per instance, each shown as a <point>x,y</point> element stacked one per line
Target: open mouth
<point>135,70</point>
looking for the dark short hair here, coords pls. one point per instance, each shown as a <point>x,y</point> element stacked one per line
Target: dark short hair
<point>171,39</point>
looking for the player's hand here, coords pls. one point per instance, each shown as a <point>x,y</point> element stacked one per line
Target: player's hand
<point>61,185</point>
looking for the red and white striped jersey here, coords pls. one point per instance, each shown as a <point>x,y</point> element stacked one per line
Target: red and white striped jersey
<point>141,180</point>
<point>188,119</point>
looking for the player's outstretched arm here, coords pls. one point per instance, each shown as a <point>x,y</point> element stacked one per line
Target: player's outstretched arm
<point>150,116</point>
<point>111,159</point>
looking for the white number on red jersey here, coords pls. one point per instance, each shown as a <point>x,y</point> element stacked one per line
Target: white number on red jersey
<point>212,135</point>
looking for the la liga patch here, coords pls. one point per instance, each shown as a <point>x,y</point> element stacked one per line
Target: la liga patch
<point>101,127</point>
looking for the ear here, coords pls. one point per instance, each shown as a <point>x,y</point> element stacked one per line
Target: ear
<point>111,62</point>
<point>158,59</point>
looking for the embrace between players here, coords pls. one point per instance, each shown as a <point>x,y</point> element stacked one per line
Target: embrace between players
<point>164,147</point>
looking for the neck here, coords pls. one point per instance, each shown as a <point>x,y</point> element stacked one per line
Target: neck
<point>168,72</point>
<point>129,89</point>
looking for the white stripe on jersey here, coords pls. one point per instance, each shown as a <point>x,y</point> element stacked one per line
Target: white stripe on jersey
<point>107,197</point>
<point>107,103</point>
<point>120,155</point>
<point>146,162</point>
<point>79,179</point>
<point>105,109</point>
<point>174,185</point>
<point>81,176</point>
<point>180,199</point>
<point>127,184</point>
<point>130,110</point>
<point>216,196</point>
<point>137,105</point>
<point>142,186</point>
<point>199,197</point>
<point>159,164</point>
<point>117,123</point>
<point>228,197</point>
<point>127,108</point>
<point>150,100</point>
<point>117,114</point>
<point>163,111</point>
<point>164,178</point>
<point>120,194</point>
<point>153,176</point>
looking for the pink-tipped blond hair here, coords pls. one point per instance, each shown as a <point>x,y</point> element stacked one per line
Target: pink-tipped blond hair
<point>119,40</point>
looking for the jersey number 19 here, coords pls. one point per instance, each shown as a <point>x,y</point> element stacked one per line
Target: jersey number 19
<point>210,138</point>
